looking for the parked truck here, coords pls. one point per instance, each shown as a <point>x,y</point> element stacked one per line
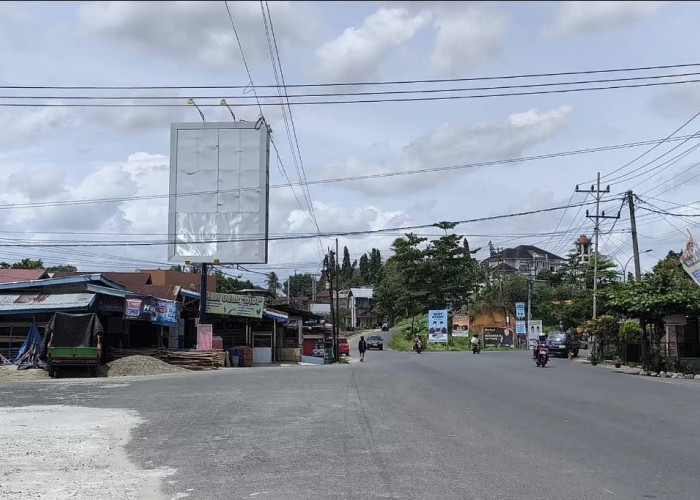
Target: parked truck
<point>73,341</point>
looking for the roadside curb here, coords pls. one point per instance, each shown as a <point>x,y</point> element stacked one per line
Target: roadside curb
<point>631,370</point>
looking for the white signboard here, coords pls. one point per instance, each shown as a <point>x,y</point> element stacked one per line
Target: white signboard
<point>533,332</point>
<point>219,190</point>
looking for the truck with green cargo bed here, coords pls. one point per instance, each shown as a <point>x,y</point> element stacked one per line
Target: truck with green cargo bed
<point>73,341</point>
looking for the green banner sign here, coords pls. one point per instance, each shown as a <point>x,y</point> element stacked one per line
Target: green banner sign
<point>232,304</point>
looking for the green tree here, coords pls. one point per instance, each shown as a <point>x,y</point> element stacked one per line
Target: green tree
<point>63,268</point>
<point>273,283</point>
<point>375,266</point>
<point>347,268</point>
<point>364,269</point>
<point>28,264</point>
<point>300,285</point>
<point>229,284</point>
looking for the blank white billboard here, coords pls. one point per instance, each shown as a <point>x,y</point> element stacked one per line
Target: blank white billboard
<point>219,192</point>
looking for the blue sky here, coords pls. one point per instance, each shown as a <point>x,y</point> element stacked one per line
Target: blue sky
<point>59,154</point>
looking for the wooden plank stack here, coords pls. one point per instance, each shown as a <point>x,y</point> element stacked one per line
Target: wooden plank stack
<point>195,360</point>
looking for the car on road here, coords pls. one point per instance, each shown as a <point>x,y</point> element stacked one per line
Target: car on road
<point>375,342</point>
<point>385,327</point>
<point>343,346</point>
<point>562,343</point>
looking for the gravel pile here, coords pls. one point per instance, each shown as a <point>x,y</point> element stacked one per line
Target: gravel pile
<point>139,365</point>
<point>12,374</point>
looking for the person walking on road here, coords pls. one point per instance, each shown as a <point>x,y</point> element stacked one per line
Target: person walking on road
<point>362,347</point>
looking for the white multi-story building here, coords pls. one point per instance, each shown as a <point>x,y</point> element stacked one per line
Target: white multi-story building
<point>527,260</point>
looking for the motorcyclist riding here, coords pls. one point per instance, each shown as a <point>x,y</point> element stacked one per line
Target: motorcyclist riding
<point>475,341</point>
<point>541,340</point>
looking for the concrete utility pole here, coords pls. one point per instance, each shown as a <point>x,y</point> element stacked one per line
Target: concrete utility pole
<point>597,191</point>
<point>337,304</point>
<point>635,243</point>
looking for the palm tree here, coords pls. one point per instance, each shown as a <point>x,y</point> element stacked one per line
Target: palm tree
<point>273,283</point>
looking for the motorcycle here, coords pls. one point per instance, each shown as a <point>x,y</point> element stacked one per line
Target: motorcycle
<point>542,355</point>
<point>418,347</point>
<point>476,349</point>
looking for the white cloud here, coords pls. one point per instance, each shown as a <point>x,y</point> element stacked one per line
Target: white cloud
<point>29,127</point>
<point>453,144</point>
<point>466,38</point>
<point>198,33</point>
<point>596,17</point>
<point>678,101</point>
<point>358,52</point>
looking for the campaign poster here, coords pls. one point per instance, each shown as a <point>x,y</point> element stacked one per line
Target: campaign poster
<point>460,325</point>
<point>437,326</point>
<point>534,331</point>
<point>520,310</point>
<point>690,259</point>
<point>498,337</point>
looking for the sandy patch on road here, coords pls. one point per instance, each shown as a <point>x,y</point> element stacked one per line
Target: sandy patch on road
<point>62,452</point>
<point>12,374</point>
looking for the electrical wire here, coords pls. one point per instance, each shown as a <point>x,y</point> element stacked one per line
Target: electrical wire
<point>352,101</point>
<point>340,84</point>
<point>667,138</point>
<point>282,86</point>
<point>398,173</point>
<point>289,236</point>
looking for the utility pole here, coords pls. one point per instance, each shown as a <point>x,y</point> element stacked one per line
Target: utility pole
<point>337,305</point>
<point>330,289</point>
<point>635,243</point>
<point>597,191</point>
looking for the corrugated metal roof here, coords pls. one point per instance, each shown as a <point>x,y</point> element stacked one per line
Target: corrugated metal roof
<point>320,308</point>
<point>90,278</point>
<point>167,292</point>
<point>41,302</point>
<point>362,293</point>
<point>19,275</point>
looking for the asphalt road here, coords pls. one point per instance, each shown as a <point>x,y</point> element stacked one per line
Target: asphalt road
<point>403,425</point>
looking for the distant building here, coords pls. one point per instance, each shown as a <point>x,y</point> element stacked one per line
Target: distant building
<point>527,260</point>
<point>583,248</point>
<point>361,303</point>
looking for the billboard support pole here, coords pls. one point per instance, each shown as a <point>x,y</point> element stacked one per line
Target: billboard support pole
<point>203,296</point>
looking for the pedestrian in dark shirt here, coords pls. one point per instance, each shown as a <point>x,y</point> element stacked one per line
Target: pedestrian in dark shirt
<point>362,347</point>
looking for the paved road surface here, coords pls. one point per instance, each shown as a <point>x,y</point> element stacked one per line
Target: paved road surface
<point>402,425</point>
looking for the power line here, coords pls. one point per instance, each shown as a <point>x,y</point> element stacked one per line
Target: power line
<point>297,158</point>
<point>340,84</point>
<point>352,101</point>
<point>667,138</point>
<point>282,86</point>
<point>75,244</point>
<point>121,199</point>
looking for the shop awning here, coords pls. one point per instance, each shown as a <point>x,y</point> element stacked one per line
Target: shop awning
<point>32,303</point>
<point>276,315</point>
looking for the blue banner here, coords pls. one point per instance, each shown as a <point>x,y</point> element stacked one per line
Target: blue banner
<point>437,326</point>
<point>520,310</point>
<point>167,312</point>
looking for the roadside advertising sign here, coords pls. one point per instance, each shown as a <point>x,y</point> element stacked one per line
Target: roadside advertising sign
<point>498,337</point>
<point>437,326</point>
<point>690,259</point>
<point>460,325</point>
<point>232,304</point>
<point>535,328</point>
<point>520,327</point>
<point>520,310</point>
<point>204,337</point>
